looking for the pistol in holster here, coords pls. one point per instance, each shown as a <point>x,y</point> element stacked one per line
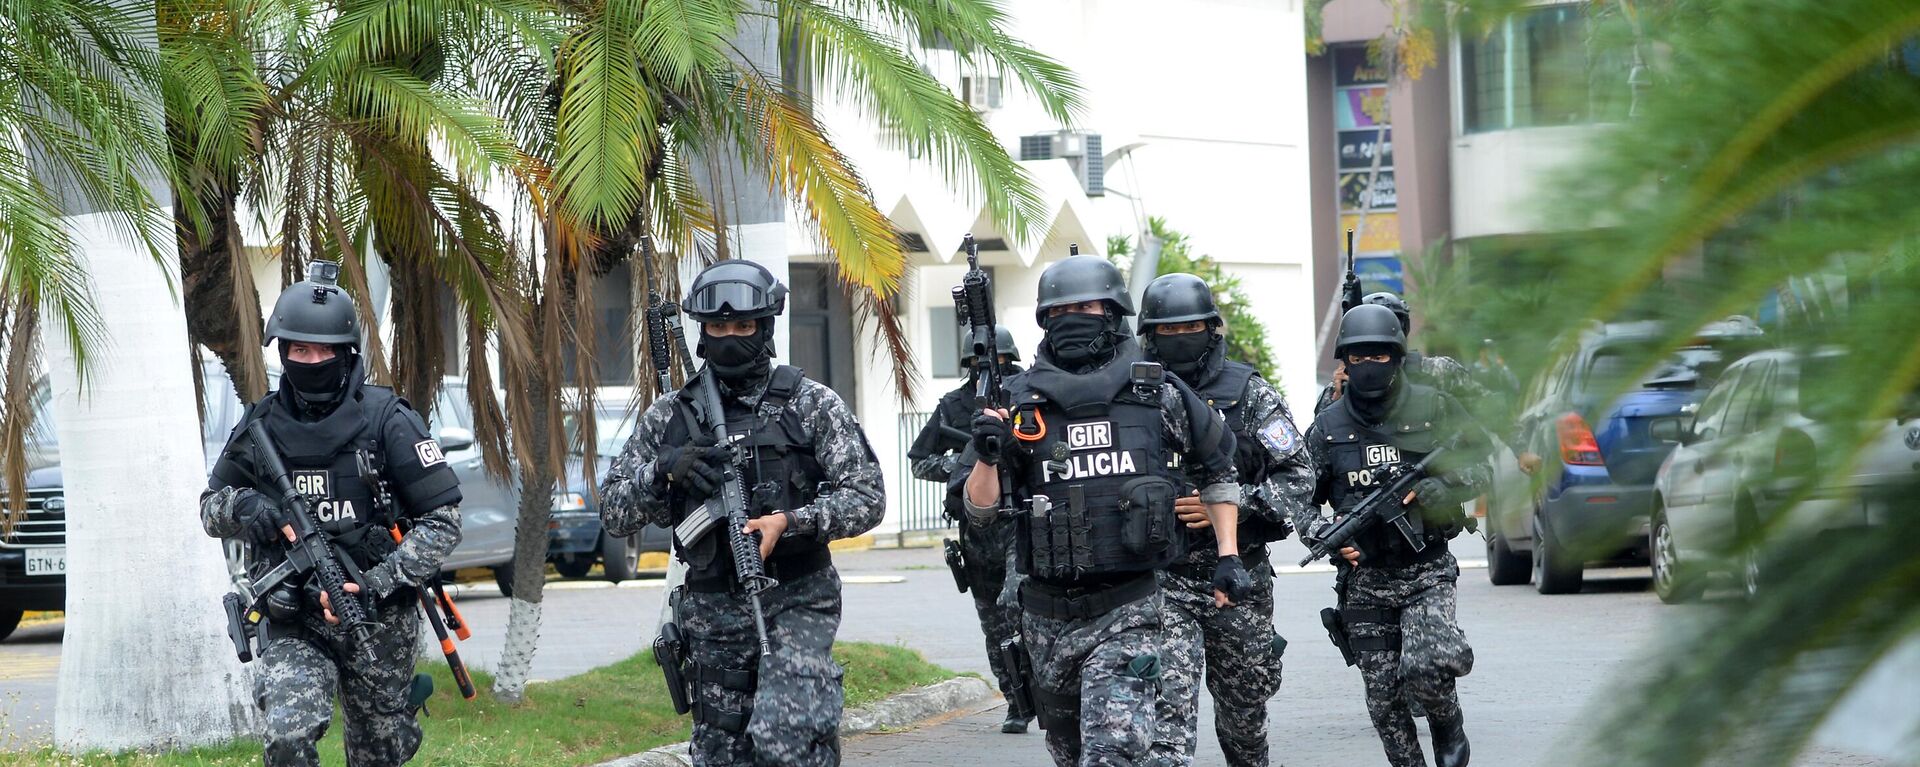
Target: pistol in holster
<point>1337,631</point>
<point>957,562</point>
<point>239,630</point>
<point>670,651</point>
<point>1019,692</point>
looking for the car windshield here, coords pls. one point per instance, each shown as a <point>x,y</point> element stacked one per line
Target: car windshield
<point>611,428</point>
<point>1695,367</point>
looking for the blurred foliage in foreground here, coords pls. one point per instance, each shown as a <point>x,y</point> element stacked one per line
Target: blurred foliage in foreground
<point>1771,168</point>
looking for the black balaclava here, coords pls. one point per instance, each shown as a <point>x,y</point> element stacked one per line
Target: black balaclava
<point>318,385</point>
<point>1186,354</point>
<point>739,358</point>
<point>1373,384</point>
<point>1082,342</point>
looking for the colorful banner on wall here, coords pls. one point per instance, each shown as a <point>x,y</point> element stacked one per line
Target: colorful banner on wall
<point>1382,234</point>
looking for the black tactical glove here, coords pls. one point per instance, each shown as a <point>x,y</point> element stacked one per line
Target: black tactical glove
<point>991,429</point>
<point>1231,578</point>
<point>697,469</point>
<point>260,519</point>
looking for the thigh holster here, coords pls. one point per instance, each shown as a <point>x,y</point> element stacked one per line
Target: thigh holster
<point>1057,712</point>
<point>708,712</point>
<point>1388,619</point>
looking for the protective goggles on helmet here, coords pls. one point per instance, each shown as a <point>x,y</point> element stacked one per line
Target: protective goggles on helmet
<point>737,300</point>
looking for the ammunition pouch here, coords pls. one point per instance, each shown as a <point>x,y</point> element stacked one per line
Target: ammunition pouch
<point>1020,685</point>
<point>957,562</point>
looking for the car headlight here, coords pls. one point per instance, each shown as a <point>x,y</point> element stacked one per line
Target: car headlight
<point>569,502</point>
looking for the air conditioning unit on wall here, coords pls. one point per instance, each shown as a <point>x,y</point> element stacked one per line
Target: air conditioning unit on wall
<point>1081,150</point>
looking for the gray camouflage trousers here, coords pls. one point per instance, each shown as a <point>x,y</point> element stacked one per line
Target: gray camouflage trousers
<point>301,675</point>
<point>1238,649</point>
<point>988,554</point>
<point>791,709</point>
<point>1112,664</point>
<point>1433,651</point>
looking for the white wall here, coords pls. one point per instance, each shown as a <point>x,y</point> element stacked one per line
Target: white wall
<point>1503,180</point>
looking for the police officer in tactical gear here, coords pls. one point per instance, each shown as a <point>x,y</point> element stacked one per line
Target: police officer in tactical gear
<point>1181,328</point>
<point>1098,447</point>
<point>1396,603</point>
<point>810,478</point>
<point>324,421</point>
<point>984,551</point>
<point>1443,373</point>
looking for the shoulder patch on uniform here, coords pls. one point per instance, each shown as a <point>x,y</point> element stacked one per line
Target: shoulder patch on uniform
<point>429,452</point>
<point>1280,437</point>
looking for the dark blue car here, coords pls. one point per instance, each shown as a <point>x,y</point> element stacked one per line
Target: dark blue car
<point>1590,420</point>
<point>578,542</point>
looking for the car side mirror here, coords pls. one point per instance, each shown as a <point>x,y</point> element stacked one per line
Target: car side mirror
<point>454,438</point>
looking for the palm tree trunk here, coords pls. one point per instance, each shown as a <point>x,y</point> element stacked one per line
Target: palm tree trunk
<point>536,416</point>
<point>144,661</point>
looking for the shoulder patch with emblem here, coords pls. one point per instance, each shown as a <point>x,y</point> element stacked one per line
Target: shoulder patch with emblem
<point>429,453</point>
<point>1280,437</point>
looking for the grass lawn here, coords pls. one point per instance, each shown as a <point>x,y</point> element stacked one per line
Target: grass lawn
<point>605,713</point>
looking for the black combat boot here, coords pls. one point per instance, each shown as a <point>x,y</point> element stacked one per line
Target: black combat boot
<point>1015,724</point>
<point>1449,740</point>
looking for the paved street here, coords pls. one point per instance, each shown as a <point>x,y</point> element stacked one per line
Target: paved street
<point>1540,659</point>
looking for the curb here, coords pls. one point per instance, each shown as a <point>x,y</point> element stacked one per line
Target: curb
<point>856,543</point>
<point>915,705</point>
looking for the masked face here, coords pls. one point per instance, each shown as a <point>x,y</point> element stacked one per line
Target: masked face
<point>1078,340</point>
<point>736,356</point>
<point>1183,353</point>
<point>317,383</point>
<point>1372,380</point>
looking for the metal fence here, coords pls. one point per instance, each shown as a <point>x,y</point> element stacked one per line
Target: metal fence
<point>920,500</point>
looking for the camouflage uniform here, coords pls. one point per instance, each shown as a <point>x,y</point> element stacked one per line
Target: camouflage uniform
<point>986,549</point>
<point>302,666</point>
<point>788,702</point>
<point>1404,603</point>
<point>1115,662</point>
<point>1238,645</point>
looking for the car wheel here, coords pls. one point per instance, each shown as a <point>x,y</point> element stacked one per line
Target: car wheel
<point>620,557</point>
<point>1671,581</point>
<point>573,565</point>
<point>1553,573</point>
<point>1506,567</point>
<point>503,577</point>
<point>9,620</point>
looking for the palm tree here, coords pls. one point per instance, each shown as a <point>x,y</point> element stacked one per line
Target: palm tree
<point>646,92</point>
<point>80,163</point>
<point>1780,148</point>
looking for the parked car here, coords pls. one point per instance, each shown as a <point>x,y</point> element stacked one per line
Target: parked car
<point>1768,449</point>
<point>33,552</point>
<point>1591,499</point>
<point>578,541</point>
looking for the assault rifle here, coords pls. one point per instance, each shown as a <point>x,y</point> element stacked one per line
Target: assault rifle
<point>744,546</point>
<point>1350,287</point>
<point>309,554</point>
<point>973,301</point>
<point>1385,506</point>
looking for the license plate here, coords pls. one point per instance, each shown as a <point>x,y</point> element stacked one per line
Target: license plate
<point>47,561</point>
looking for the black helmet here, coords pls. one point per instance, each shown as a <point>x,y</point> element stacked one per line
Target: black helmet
<point>1397,304</point>
<point>1003,343</point>
<point>315,310</point>
<point>1175,298</point>
<point>734,289</point>
<point>1369,324</point>
<point>1074,279</point>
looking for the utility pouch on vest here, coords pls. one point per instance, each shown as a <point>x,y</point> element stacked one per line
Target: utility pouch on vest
<point>1076,536</point>
<point>1019,692</point>
<point>957,562</point>
<point>1148,505</point>
<point>1337,631</point>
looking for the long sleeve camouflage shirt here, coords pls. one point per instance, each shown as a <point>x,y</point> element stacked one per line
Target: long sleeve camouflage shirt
<point>635,493</point>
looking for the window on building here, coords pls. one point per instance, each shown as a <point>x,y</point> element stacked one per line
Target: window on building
<point>1541,68</point>
<point>945,343</point>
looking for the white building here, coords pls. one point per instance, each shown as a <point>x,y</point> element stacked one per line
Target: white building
<point>1208,99</point>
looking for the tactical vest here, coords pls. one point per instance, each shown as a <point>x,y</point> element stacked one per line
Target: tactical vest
<point>1227,393</point>
<point>778,471</point>
<point>342,502</point>
<point>1100,488</point>
<point>1365,458</point>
